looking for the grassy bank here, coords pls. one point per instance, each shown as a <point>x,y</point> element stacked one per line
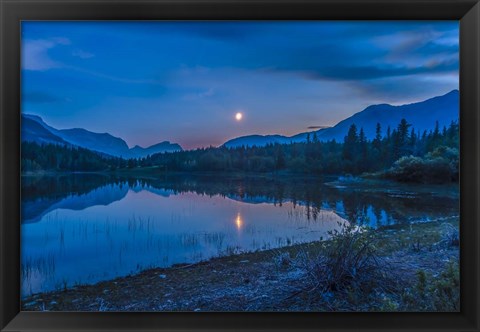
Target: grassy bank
<point>397,268</point>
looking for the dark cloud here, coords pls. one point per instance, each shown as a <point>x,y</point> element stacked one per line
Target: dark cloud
<point>405,88</point>
<point>360,73</point>
<point>366,51</point>
<point>317,127</point>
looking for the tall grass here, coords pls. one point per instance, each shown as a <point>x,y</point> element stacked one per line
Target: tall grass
<point>44,265</point>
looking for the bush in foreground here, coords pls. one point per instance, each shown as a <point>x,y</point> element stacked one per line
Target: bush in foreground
<point>354,271</point>
<point>434,293</point>
<point>348,263</point>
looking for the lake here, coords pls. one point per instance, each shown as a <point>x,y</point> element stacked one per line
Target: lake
<point>81,229</point>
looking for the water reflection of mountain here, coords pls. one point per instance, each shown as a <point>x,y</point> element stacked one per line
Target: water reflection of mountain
<point>157,191</point>
<point>377,203</point>
<point>43,194</point>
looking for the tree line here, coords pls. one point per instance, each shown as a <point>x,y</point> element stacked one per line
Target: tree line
<point>395,154</point>
<point>66,158</point>
<point>401,153</point>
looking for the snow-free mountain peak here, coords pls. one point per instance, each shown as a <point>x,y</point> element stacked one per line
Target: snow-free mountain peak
<point>36,130</point>
<point>421,115</point>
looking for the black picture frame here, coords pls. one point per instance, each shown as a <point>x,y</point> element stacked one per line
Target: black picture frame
<point>14,11</point>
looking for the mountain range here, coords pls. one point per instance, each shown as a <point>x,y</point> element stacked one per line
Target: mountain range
<point>421,115</point>
<point>34,129</point>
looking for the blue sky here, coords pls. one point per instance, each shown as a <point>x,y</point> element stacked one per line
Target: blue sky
<point>147,82</point>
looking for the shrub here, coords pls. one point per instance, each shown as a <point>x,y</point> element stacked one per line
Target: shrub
<point>434,293</point>
<point>348,261</point>
<point>446,289</point>
<point>438,166</point>
<point>408,169</point>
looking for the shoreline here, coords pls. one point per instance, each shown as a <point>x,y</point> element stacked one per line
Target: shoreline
<point>259,281</point>
<point>157,173</point>
<point>330,180</point>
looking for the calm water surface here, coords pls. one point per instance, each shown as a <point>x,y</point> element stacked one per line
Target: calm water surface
<point>81,229</point>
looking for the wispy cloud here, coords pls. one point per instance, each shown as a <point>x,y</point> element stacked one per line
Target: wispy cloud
<point>36,57</point>
<point>199,95</point>
<point>35,53</point>
<point>82,54</point>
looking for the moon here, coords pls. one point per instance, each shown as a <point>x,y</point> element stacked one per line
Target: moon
<point>238,116</point>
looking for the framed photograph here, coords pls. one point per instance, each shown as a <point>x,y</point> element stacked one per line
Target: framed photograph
<point>200,165</point>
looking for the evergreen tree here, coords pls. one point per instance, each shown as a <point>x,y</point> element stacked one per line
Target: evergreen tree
<point>363,150</point>
<point>377,141</point>
<point>350,149</point>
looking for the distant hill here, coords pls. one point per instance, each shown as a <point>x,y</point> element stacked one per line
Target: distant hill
<point>261,140</point>
<point>422,115</point>
<point>165,146</point>
<point>34,129</point>
<point>105,143</point>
